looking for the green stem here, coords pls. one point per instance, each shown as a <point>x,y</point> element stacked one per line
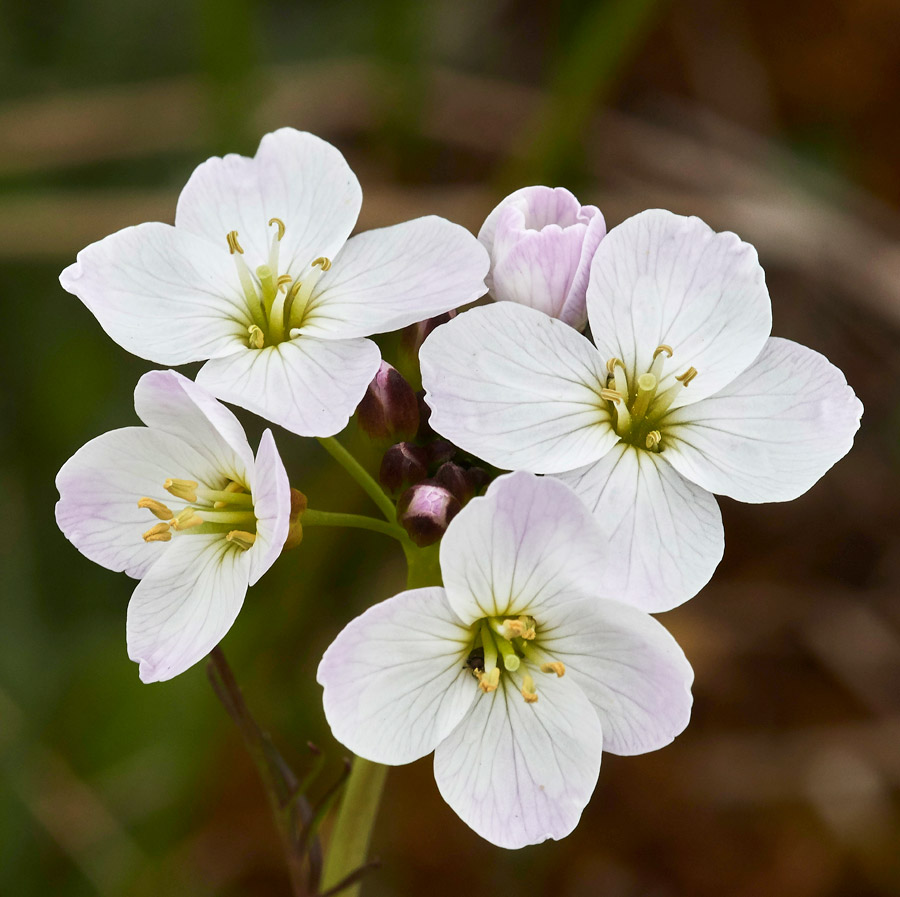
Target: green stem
<point>359,521</point>
<point>360,474</point>
<point>352,831</point>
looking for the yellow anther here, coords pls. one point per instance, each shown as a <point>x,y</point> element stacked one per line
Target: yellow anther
<point>528,690</point>
<point>613,363</point>
<point>280,225</point>
<point>256,340</point>
<point>322,262</point>
<point>653,439</point>
<point>186,519</point>
<point>488,682</point>
<point>687,376</point>
<point>283,281</point>
<point>183,489</point>
<point>156,508</point>
<point>529,634</point>
<point>662,347</point>
<point>513,629</point>
<point>158,533</point>
<point>610,395</point>
<point>241,539</point>
<point>233,245</point>
<point>554,666</point>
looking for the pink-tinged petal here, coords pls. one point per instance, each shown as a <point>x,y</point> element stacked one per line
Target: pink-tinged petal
<point>308,386</point>
<point>387,278</point>
<point>163,295</point>
<point>185,604</point>
<point>395,678</point>
<point>521,773</point>
<point>664,534</point>
<point>99,488</point>
<point>662,279</point>
<point>527,546</point>
<point>168,401</point>
<point>295,177</point>
<point>772,433</point>
<point>517,388</point>
<point>541,242</point>
<point>631,669</point>
<point>272,506</point>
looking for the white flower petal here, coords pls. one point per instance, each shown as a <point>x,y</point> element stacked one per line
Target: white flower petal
<point>308,386</point>
<point>168,401</point>
<point>527,546</point>
<point>660,278</point>
<point>772,433</point>
<point>185,604</point>
<point>630,668</point>
<point>163,295</point>
<point>520,773</point>
<point>395,678</point>
<point>517,388</point>
<point>99,488</point>
<point>664,534</point>
<point>384,279</point>
<point>296,177</point>
<point>272,505</point>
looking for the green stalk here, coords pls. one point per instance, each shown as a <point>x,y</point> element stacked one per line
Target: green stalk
<point>358,521</point>
<point>360,474</point>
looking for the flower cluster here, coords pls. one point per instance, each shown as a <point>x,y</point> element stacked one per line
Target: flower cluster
<point>532,649</point>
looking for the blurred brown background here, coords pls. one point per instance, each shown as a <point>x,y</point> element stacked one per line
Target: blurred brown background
<point>774,120</point>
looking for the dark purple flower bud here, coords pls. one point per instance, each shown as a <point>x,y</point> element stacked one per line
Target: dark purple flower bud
<point>440,451</point>
<point>425,510</point>
<point>453,478</point>
<point>389,409</point>
<point>425,432</point>
<point>416,334</point>
<point>403,464</point>
<point>478,478</point>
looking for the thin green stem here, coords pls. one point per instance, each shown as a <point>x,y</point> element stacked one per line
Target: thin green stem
<point>358,521</point>
<point>360,474</point>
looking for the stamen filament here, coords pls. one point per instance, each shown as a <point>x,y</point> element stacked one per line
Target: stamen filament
<point>226,496</point>
<point>274,247</point>
<point>490,648</point>
<point>621,381</point>
<point>211,516</point>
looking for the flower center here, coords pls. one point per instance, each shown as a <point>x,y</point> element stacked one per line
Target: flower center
<point>638,407</point>
<point>277,303</point>
<point>228,511</point>
<point>508,644</point>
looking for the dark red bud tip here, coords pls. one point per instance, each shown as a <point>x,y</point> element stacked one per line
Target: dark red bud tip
<point>425,511</point>
<point>478,478</point>
<point>440,451</point>
<point>416,334</point>
<point>389,409</point>
<point>424,432</point>
<point>453,478</point>
<point>403,464</point>
<point>295,533</point>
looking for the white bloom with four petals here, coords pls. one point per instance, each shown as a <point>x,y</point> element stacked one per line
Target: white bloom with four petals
<point>259,279</point>
<point>682,394</point>
<point>516,674</point>
<point>182,505</point>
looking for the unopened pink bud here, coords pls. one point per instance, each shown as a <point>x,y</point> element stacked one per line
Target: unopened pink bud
<point>425,511</point>
<point>403,464</point>
<point>541,241</point>
<point>416,334</point>
<point>389,409</point>
<point>440,451</point>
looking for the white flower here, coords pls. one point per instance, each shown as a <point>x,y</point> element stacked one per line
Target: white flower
<point>541,241</point>
<point>182,505</point>
<point>516,674</point>
<point>684,395</point>
<point>258,276</point>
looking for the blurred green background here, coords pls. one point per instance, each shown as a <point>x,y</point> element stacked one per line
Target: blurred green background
<point>775,120</point>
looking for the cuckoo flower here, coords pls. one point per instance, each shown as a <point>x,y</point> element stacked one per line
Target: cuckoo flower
<point>258,277</point>
<point>541,242</point>
<point>516,674</point>
<point>182,505</point>
<point>683,395</point>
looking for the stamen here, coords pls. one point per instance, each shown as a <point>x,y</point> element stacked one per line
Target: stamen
<point>158,533</point>
<point>156,508</point>
<point>611,396</point>
<point>322,262</point>
<point>280,225</point>
<point>662,347</point>
<point>233,245</point>
<point>186,519</point>
<point>490,648</point>
<point>283,281</point>
<point>653,439</point>
<point>528,689</point>
<point>613,363</point>
<point>257,338</point>
<point>241,539</point>
<point>488,682</point>
<point>554,666</point>
<point>687,376</point>
<point>183,489</point>
<point>528,627</point>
